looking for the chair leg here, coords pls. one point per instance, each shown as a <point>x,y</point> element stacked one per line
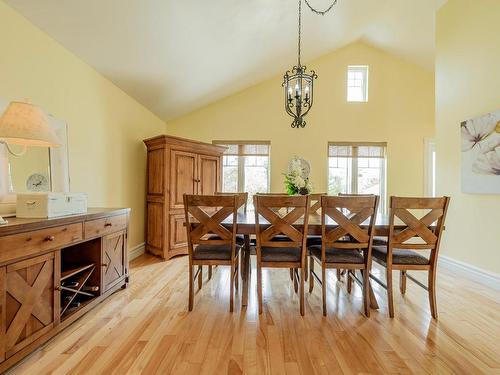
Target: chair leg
<point>323,290</point>
<point>339,274</point>
<point>209,272</point>
<point>349,281</point>
<point>366,292</point>
<point>236,281</point>
<point>390,300</point>
<point>301,292</point>
<point>191,288</point>
<point>259,287</point>
<point>305,268</point>
<point>291,274</point>
<point>402,282</point>
<point>311,277</point>
<point>295,281</point>
<point>432,293</point>
<point>200,281</point>
<point>242,264</point>
<point>231,289</point>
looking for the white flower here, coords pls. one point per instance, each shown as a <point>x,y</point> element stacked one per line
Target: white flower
<point>488,162</point>
<point>476,130</point>
<point>299,182</point>
<point>295,167</point>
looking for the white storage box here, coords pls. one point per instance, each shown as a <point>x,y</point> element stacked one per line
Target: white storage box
<point>45,205</point>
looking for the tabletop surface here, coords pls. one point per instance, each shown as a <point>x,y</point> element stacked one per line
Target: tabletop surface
<point>248,219</point>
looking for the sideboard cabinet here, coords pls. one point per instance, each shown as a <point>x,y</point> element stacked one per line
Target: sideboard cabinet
<point>54,270</point>
<point>176,166</point>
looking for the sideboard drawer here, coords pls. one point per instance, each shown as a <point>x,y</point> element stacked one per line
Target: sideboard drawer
<point>104,226</point>
<point>30,243</point>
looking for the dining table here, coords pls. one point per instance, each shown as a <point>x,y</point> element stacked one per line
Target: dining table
<point>246,226</point>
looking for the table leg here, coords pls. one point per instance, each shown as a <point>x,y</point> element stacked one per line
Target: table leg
<point>246,271</point>
<point>373,299</point>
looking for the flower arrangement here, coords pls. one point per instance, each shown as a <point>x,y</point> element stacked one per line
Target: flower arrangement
<point>297,180</point>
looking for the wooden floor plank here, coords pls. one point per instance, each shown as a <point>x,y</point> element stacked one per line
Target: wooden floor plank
<point>146,329</point>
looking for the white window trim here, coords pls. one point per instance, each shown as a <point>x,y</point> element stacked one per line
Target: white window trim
<point>354,178</point>
<point>241,162</point>
<point>365,69</point>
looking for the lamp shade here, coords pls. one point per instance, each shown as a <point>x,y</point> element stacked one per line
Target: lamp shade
<point>26,124</point>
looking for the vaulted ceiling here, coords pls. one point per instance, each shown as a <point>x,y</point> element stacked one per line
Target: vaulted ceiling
<point>176,56</point>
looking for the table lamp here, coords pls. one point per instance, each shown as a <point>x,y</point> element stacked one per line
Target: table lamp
<point>26,125</point>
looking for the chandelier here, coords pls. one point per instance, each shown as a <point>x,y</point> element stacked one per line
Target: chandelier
<point>298,84</point>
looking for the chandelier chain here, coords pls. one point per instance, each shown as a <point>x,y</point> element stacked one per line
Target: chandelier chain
<point>321,12</point>
<point>300,26</point>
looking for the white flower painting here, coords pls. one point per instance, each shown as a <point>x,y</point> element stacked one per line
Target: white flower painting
<point>481,154</point>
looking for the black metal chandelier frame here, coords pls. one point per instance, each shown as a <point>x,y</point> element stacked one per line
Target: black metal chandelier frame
<point>298,84</point>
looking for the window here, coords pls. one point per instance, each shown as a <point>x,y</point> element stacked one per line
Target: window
<point>430,167</point>
<point>245,167</point>
<point>357,168</point>
<point>357,83</point>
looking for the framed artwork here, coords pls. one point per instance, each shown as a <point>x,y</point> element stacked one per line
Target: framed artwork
<point>480,164</point>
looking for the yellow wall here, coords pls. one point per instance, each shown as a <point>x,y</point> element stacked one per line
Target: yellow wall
<point>106,126</point>
<point>400,111</point>
<point>467,85</point>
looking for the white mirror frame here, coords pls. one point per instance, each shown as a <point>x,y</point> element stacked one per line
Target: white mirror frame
<point>59,166</point>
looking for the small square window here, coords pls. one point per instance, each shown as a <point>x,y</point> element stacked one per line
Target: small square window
<point>357,83</point>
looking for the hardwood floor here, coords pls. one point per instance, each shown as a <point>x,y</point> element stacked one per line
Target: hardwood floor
<point>147,329</point>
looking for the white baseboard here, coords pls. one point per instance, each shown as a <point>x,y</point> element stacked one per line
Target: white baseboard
<point>477,274</point>
<point>136,251</point>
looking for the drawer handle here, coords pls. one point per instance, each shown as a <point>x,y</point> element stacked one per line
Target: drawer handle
<point>104,264</point>
<point>108,225</point>
<point>58,287</point>
<point>49,238</point>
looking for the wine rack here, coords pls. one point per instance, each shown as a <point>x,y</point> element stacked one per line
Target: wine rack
<point>80,276</point>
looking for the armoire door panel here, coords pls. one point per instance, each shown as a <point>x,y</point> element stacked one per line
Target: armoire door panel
<point>183,177</point>
<point>208,172</point>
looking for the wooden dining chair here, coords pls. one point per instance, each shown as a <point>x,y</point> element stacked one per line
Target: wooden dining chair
<point>204,217</point>
<point>242,199</point>
<point>348,244</point>
<point>283,213</point>
<point>240,239</point>
<point>377,240</point>
<point>423,223</point>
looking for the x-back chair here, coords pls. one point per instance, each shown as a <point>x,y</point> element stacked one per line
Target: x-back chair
<point>288,218</point>
<point>346,245</point>
<point>209,242</point>
<point>419,232</point>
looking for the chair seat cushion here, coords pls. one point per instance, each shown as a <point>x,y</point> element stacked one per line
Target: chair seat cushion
<point>334,255</point>
<point>313,240</point>
<point>213,252</point>
<point>280,237</point>
<point>240,239</point>
<point>379,241</point>
<point>399,256</point>
<point>280,254</point>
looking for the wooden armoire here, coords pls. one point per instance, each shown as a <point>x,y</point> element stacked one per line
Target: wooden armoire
<point>176,166</point>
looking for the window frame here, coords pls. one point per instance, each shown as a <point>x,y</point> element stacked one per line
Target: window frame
<point>241,161</point>
<point>354,168</point>
<point>364,69</point>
